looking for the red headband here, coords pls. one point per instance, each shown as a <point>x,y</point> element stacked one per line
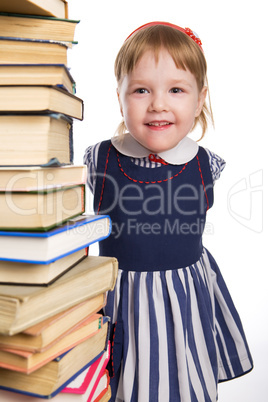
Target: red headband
<point>187,31</point>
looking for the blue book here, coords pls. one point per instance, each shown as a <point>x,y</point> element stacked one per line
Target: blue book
<point>49,246</point>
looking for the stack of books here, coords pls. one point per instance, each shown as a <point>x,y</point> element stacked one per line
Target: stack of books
<point>53,338</point>
<point>36,87</point>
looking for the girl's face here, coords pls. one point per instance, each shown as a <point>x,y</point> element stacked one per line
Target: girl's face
<point>159,102</point>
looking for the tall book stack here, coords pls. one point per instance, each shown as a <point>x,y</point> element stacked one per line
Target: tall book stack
<point>53,340</point>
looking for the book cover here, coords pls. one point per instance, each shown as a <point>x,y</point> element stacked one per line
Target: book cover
<point>7,396</point>
<point>103,390</point>
<point>87,382</point>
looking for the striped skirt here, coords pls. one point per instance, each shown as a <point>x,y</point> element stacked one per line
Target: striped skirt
<point>177,334</point>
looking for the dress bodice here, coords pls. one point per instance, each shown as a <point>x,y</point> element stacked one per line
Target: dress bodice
<point>158,215</point>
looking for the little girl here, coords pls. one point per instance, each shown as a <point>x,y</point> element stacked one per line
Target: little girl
<point>176,333</point>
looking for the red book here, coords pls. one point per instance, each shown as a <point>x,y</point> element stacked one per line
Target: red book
<point>103,390</point>
<point>90,383</point>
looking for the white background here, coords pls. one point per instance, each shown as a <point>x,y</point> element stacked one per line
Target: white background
<point>235,43</point>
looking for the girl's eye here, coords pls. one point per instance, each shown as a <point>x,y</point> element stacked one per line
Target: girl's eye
<point>176,90</point>
<point>141,91</point>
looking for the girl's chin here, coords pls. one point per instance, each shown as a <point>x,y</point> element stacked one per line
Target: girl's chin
<point>157,149</point>
<point>159,146</point>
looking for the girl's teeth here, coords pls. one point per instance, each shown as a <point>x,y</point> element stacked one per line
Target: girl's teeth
<point>159,124</point>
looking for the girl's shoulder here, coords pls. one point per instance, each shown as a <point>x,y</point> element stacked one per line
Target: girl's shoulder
<point>216,163</point>
<point>91,159</point>
<point>92,152</point>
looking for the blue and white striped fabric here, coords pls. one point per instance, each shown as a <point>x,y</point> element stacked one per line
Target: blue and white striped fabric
<point>90,159</point>
<point>217,164</point>
<point>179,314</point>
<point>145,162</point>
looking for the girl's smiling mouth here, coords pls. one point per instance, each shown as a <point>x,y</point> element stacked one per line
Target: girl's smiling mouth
<point>156,125</point>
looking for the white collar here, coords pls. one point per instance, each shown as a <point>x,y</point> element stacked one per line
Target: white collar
<point>183,152</point>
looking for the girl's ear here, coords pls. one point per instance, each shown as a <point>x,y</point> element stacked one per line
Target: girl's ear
<point>201,100</point>
<point>120,104</point>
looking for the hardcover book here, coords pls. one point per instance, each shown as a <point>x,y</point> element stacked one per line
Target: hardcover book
<point>37,74</point>
<point>37,178</point>
<point>23,273</point>
<point>29,99</point>
<point>54,8</point>
<point>88,384</point>
<point>32,51</point>
<point>44,247</point>
<point>43,335</point>
<point>39,210</point>
<point>27,362</point>
<point>36,27</point>
<point>50,379</point>
<point>24,306</point>
<point>35,139</point>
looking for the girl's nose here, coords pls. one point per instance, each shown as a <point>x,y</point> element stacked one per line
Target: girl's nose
<point>158,103</point>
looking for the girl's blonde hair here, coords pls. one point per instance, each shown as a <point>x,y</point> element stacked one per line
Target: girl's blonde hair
<point>185,52</point>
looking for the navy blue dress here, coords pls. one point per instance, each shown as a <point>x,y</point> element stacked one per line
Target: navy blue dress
<point>176,332</point>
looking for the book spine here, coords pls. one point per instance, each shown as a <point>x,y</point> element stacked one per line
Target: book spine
<point>66,9</point>
<point>71,143</point>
